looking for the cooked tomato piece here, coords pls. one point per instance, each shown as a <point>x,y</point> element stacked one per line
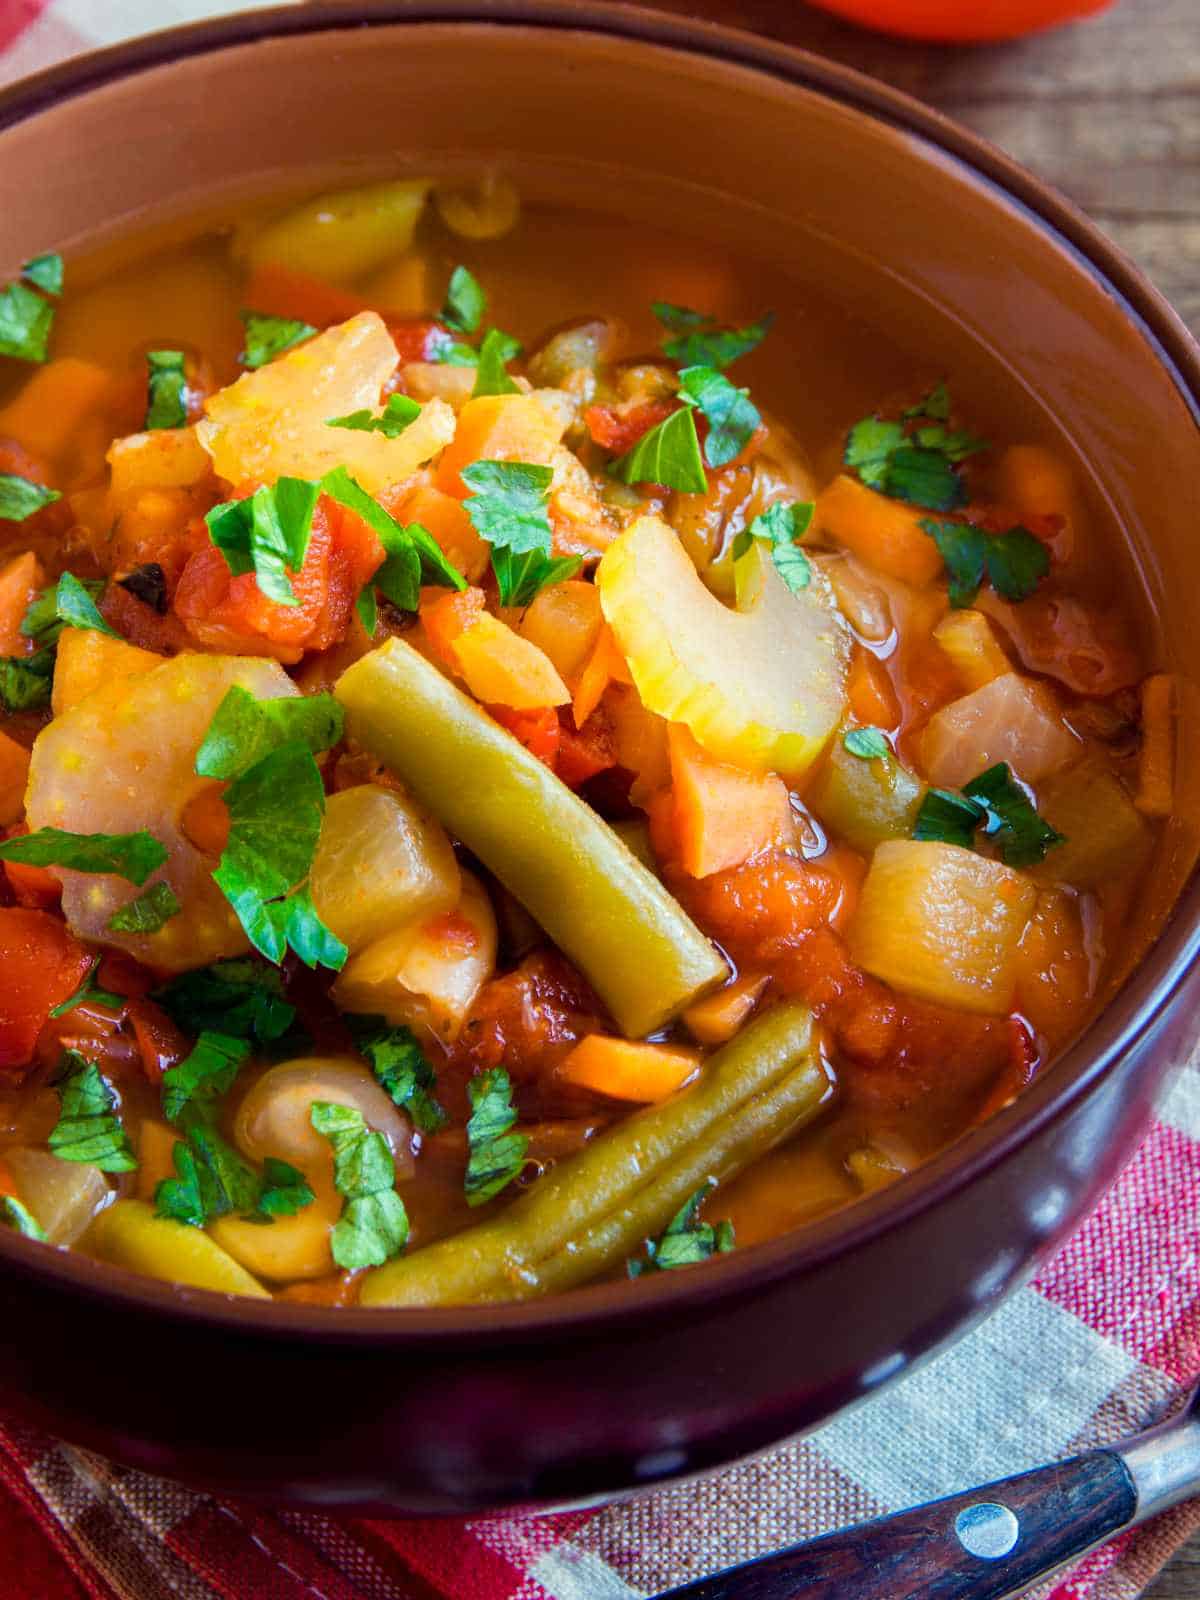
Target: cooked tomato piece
<point>584,752</point>
<point>618,429</point>
<point>42,966</point>
<point>537,730</point>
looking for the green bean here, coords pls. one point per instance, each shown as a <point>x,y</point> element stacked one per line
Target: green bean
<point>593,1211</point>
<point>642,954</point>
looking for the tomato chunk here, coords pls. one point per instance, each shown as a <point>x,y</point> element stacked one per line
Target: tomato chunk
<point>42,966</point>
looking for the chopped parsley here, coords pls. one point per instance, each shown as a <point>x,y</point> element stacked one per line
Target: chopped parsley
<point>915,458</point>
<point>373,1226</point>
<point>88,1127</point>
<point>521,577</point>
<point>202,1078</point>
<point>454,353</point>
<point>668,455</point>
<point>45,272</point>
<point>284,1190</point>
<point>465,304</point>
<point>267,534</point>
<point>778,527</point>
<point>149,912</point>
<point>239,997</point>
<point>21,497</point>
<point>399,413</point>
<point>402,1068</point>
<point>127,855</point>
<point>1015,562</point>
<point>495,1155</point>
<point>508,509</point>
<point>685,1241</point>
<point>268,337</point>
<point>211,1180</point>
<point>698,340</point>
<point>89,993</point>
<point>26,318</point>
<point>18,1217</point>
<point>732,417</point>
<point>995,802</point>
<point>496,351</point>
<point>25,681</point>
<point>166,405</point>
<point>69,603</point>
<point>412,555</point>
<point>244,730</point>
<point>869,744</point>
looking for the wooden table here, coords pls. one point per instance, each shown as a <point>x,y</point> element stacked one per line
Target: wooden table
<point>1109,112</point>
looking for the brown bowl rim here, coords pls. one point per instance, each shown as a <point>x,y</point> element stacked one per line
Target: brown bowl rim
<point>1075,1074</point>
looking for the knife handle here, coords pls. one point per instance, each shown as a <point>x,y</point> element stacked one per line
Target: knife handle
<point>981,1545</point>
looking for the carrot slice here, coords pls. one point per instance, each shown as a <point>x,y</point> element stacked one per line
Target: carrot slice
<point>872,698</point>
<point>497,427</point>
<point>628,1071</point>
<point>723,815</point>
<point>884,533</point>
<point>283,292</point>
<point>718,1017</point>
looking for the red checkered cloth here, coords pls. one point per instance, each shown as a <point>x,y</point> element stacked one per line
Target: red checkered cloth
<point>1105,1341</point>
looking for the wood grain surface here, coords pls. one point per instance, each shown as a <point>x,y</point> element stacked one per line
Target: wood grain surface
<point>1108,111</point>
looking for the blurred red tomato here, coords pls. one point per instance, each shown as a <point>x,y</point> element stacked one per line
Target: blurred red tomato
<point>963,19</point>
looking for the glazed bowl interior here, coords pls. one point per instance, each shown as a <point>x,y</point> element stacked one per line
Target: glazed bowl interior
<point>780,165</point>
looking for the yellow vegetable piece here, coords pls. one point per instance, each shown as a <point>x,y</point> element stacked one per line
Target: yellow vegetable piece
<point>865,800</point>
<point>290,1248</point>
<point>406,287</point>
<point>274,422</point>
<point>628,1071</point>
<point>341,234</point>
<point>564,621</point>
<point>381,863</point>
<point>128,1234</point>
<point>164,458</point>
<point>124,759</point>
<point>155,1146</point>
<point>718,1017</point>
<point>274,1118</point>
<point>64,1196</point>
<point>503,669</point>
<point>761,689</point>
<point>1103,831</point>
<point>90,660</point>
<point>1010,719</point>
<point>52,403</point>
<point>969,640</point>
<point>426,975</point>
<point>940,922</point>
<point>487,209</point>
<point>1156,759</point>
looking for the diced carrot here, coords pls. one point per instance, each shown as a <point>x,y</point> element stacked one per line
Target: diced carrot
<point>870,692</point>
<point>539,731</point>
<point>205,819</point>
<point>583,752</point>
<point>628,1071</point>
<point>723,815</point>
<point>7,1186</point>
<point>640,742</point>
<point>53,402</point>
<point>156,1143</point>
<point>497,427</point>
<point>564,621</point>
<point>617,429</point>
<point>499,667</point>
<point>88,659</point>
<point>443,516</point>
<point>281,292</point>
<point>605,665</point>
<point>1037,483</point>
<point>20,581</point>
<point>1156,759</point>
<point>719,1016</point>
<point>42,966</point>
<point>968,639</point>
<point>14,774</point>
<point>884,533</point>
<point>445,613</point>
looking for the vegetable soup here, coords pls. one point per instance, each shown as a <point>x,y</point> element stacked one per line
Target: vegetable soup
<point>529,752</point>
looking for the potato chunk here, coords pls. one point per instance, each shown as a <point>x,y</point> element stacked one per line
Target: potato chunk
<point>275,422</point>
<point>942,923</point>
<point>1011,719</point>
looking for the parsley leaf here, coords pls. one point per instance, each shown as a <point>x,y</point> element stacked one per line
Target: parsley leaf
<point>25,322</point>
<point>869,744</point>
<point>149,912</point>
<point>211,1180</point>
<point>45,272</point>
<point>508,506</point>
<point>496,1155</point>
<point>685,1241</point>
<point>233,997</point>
<point>996,802</point>
<point>399,413</point>
<point>870,447</point>
<point>70,603</point>
<point>465,302</point>
<point>521,577</point>
<point>1015,561</point>
<point>167,390</point>
<point>701,343</point>
<point>495,352</point>
<point>244,729</point>
<point>668,454</point>
<point>402,1067</point>
<point>373,1226</point>
<point>284,1190</point>
<point>88,993</point>
<point>413,555</point>
<point>14,1215</point>
<point>367,607</point>
<point>127,855</point>
<point>453,353</point>
<point>886,459</point>
<point>25,681</point>
<point>778,527</point>
<point>275,810</point>
<point>268,337</point>
<point>88,1128</point>
<point>21,497</point>
<point>948,818</point>
<point>267,533</point>
<point>732,416</point>
<point>203,1077</point>
<point>936,405</point>
<point>962,547</point>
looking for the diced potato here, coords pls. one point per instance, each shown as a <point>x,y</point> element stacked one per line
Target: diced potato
<point>486,209</point>
<point>53,402</point>
<point>164,458</point>
<point>1009,719</point>
<point>89,660</point>
<point>761,689</point>
<point>865,801</point>
<point>438,380</point>
<point>274,422</point>
<point>341,234</point>
<point>381,864</point>
<point>942,923</point>
<point>1056,968</point>
<point>1104,832</point>
<point>124,759</point>
<point>290,1248</point>
<point>497,427</point>
<point>968,639</point>
<point>64,1196</point>
<point>427,975</point>
<point>129,1235</point>
<point>273,1118</point>
<point>501,668</point>
<point>564,621</point>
